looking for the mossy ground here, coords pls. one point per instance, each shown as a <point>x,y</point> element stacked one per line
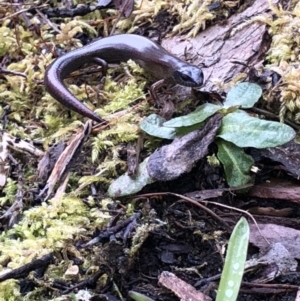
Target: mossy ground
<point>55,226</point>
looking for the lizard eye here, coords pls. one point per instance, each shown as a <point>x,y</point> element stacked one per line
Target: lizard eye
<point>190,76</point>
<point>185,77</point>
<point>182,78</point>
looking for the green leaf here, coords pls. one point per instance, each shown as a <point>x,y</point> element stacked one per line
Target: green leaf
<point>152,125</point>
<point>246,131</point>
<point>187,129</point>
<point>236,163</point>
<point>233,270</point>
<point>199,115</point>
<point>127,185</point>
<point>138,296</point>
<point>244,95</point>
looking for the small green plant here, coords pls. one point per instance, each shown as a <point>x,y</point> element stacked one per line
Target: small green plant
<point>233,270</point>
<point>238,130</point>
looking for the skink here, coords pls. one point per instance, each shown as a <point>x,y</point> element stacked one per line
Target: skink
<point>115,49</point>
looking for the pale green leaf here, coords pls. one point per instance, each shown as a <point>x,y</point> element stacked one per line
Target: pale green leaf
<point>233,270</point>
<point>199,115</point>
<point>127,185</point>
<point>236,163</point>
<point>138,296</point>
<point>246,131</point>
<point>243,94</point>
<point>152,125</point>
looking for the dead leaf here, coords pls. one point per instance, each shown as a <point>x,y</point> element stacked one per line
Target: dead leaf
<point>180,288</point>
<point>172,160</point>
<point>65,159</point>
<point>288,237</point>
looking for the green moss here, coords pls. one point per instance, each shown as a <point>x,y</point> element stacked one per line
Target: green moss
<point>43,229</point>
<point>8,192</point>
<point>284,56</point>
<point>10,291</point>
